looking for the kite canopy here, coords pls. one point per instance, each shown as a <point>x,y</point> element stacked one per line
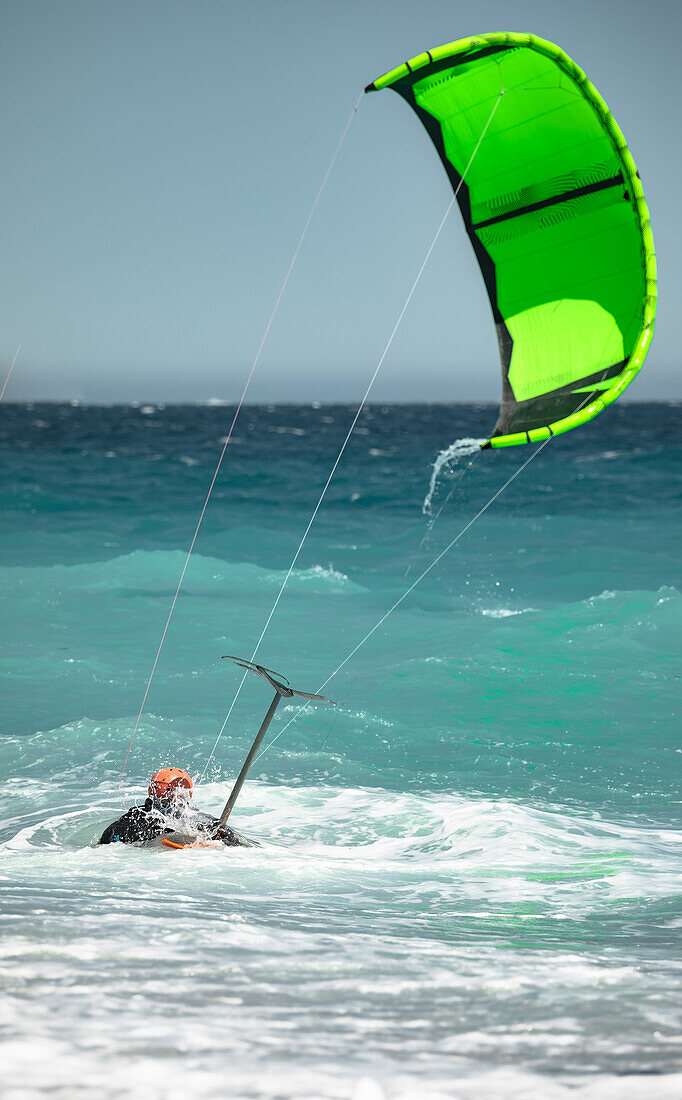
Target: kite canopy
<point>555,211</point>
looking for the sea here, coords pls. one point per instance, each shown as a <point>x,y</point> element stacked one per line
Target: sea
<point>469,878</point>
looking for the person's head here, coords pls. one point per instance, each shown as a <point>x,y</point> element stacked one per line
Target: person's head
<point>170,785</point>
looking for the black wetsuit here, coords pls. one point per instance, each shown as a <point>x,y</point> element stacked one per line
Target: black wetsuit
<point>141,824</point>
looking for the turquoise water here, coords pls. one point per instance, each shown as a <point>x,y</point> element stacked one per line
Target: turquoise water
<point>469,883</point>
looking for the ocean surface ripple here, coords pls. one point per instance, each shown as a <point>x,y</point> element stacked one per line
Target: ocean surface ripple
<point>469,883</point>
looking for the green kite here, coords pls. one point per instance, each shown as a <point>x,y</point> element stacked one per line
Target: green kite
<point>555,212</point>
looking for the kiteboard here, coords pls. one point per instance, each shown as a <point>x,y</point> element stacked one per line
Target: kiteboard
<point>177,841</point>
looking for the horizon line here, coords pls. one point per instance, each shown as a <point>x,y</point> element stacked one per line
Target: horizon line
<point>219,403</point>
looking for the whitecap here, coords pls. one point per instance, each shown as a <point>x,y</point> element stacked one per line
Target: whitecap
<point>504,612</point>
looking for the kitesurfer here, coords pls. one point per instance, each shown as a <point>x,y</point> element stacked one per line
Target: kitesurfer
<point>167,811</point>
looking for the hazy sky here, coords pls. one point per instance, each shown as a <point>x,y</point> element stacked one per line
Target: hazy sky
<point>159,160</point>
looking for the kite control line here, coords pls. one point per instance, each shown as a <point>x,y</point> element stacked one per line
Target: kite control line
<point>9,372</point>
<point>234,421</point>
<point>354,421</point>
<point>414,584</point>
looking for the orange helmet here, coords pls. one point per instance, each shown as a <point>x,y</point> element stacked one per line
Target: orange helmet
<point>167,781</point>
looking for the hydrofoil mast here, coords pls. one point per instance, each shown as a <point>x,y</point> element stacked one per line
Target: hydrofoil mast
<point>282,691</point>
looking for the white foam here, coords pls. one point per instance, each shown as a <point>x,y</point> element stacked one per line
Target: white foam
<point>504,612</point>
<point>376,948</point>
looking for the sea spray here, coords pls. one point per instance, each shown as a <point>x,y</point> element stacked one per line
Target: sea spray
<point>453,454</point>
